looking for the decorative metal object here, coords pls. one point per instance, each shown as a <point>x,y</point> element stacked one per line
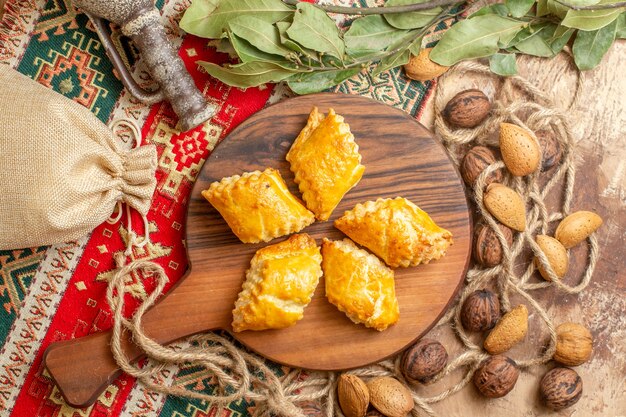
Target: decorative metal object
<point>139,20</point>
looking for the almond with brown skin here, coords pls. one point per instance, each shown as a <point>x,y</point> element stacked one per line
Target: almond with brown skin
<point>556,254</point>
<point>520,151</point>
<point>421,68</point>
<point>509,331</point>
<point>354,396</point>
<point>390,397</point>
<point>474,163</point>
<point>506,205</point>
<point>467,109</point>
<point>577,227</point>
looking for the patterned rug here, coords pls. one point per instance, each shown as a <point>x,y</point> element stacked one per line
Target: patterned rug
<point>58,292</point>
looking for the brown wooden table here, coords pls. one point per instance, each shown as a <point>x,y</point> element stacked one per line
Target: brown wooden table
<point>600,126</point>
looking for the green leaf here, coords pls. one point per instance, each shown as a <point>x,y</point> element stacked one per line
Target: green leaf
<point>582,2</point>
<point>590,46</point>
<point>262,35</point>
<point>546,7</point>
<point>503,64</point>
<point>519,8</point>
<point>410,20</point>
<point>542,8</point>
<point>392,61</point>
<point>371,33</point>
<point>224,46</point>
<point>289,44</point>
<point>248,74</point>
<point>556,8</point>
<point>194,19</point>
<point>312,28</point>
<point>621,27</point>
<point>416,46</point>
<point>559,38</point>
<point>248,53</point>
<point>209,18</point>
<point>591,19</point>
<point>321,80</point>
<point>523,34</point>
<point>534,45</point>
<point>474,38</point>
<point>499,8</point>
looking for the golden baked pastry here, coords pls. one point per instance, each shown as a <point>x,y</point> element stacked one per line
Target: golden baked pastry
<point>279,285</point>
<point>258,206</point>
<point>359,284</point>
<point>396,230</point>
<point>326,162</point>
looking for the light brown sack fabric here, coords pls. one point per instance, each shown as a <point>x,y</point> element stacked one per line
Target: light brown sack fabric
<point>62,171</point>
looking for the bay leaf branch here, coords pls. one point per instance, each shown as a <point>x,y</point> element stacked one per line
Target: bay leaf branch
<point>365,11</point>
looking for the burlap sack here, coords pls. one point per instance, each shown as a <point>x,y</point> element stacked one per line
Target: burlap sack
<point>62,171</point>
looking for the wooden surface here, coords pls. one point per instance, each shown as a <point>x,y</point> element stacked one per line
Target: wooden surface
<point>401,159</point>
<point>599,123</point>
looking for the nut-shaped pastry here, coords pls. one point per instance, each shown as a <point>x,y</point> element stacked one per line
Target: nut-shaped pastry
<point>390,397</point>
<point>354,397</point>
<point>574,344</point>
<point>359,284</point>
<point>467,109</point>
<point>509,331</point>
<point>474,163</point>
<point>506,205</point>
<point>258,206</point>
<point>279,285</point>
<point>520,151</point>
<point>496,376</point>
<point>577,227</point>
<point>556,254</point>
<point>487,249</point>
<point>421,68</point>
<point>397,230</point>
<point>480,311</point>
<point>561,388</point>
<point>424,360</point>
<point>325,161</point>
<point>551,149</point>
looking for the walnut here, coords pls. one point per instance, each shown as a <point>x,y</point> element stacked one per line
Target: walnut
<point>424,360</point>
<point>487,250</point>
<point>561,388</point>
<point>474,163</point>
<point>480,311</point>
<point>467,109</point>
<point>496,377</point>
<point>551,149</point>
<point>574,344</point>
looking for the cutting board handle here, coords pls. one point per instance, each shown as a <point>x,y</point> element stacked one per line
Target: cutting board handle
<point>82,368</point>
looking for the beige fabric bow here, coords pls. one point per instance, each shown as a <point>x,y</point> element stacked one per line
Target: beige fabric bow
<point>62,171</point>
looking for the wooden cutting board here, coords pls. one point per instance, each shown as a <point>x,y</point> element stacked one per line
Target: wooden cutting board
<point>401,158</point>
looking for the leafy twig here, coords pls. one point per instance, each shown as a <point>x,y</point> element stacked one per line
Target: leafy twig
<point>594,7</point>
<point>364,11</point>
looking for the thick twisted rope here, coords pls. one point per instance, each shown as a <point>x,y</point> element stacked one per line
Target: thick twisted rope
<point>238,373</point>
